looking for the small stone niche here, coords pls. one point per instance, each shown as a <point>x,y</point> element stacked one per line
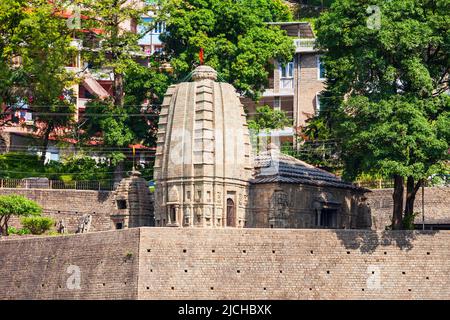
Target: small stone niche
<point>121,204</point>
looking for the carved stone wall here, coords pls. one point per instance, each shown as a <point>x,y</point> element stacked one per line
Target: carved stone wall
<point>202,164</point>
<point>283,205</point>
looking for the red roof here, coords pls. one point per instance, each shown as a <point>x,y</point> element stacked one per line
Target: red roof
<point>140,146</point>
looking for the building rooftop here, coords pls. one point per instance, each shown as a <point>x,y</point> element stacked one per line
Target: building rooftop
<point>296,29</point>
<point>274,167</point>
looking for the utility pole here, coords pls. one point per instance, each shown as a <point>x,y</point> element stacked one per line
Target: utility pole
<point>423,204</point>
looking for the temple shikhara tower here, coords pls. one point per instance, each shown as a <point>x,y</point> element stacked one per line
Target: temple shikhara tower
<point>203,165</point>
<point>207,176</point>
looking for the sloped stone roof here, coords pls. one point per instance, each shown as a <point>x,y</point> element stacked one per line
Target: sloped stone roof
<point>275,167</point>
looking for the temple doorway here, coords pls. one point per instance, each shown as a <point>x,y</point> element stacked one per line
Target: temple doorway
<point>231,216</point>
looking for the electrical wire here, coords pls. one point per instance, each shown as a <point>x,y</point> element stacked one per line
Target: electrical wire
<point>88,115</point>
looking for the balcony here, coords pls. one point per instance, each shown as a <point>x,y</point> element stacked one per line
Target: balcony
<point>105,74</point>
<point>304,45</point>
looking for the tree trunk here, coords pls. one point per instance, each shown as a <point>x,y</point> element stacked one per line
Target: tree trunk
<point>118,90</point>
<point>398,203</point>
<point>411,191</point>
<point>6,225</point>
<point>1,225</point>
<point>48,130</point>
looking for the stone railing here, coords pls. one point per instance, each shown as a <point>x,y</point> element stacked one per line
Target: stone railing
<point>43,183</point>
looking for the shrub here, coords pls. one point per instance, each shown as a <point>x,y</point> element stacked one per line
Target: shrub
<point>19,165</point>
<point>12,230</point>
<point>22,231</point>
<point>37,225</point>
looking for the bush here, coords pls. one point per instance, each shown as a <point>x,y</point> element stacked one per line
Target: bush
<point>19,165</point>
<point>20,232</point>
<point>23,231</point>
<point>12,230</point>
<point>37,225</point>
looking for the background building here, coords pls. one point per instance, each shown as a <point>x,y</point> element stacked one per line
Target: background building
<point>295,87</point>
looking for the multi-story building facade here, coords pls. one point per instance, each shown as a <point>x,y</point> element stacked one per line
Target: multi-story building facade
<point>151,43</point>
<point>294,87</point>
<point>19,133</point>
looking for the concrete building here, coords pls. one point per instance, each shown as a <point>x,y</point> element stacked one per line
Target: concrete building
<point>151,43</point>
<point>295,87</point>
<point>95,80</point>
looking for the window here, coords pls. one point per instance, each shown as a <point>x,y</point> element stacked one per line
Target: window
<point>318,105</point>
<point>158,48</point>
<point>287,76</point>
<point>326,218</point>
<point>287,71</point>
<point>230,213</point>
<point>54,156</point>
<point>119,225</point>
<point>160,27</point>
<point>320,69</point>
<point>121,204</point>
<point>173,214</point>
<point>277,103</point>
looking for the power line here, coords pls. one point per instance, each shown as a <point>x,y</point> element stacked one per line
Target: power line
<point>39,148</point>
<point>71,106</point>
<point>63,173</point>
<point>84,115</point>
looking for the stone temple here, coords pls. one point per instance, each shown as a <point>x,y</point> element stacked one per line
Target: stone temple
<point>206,174</point>
<point>203,165</point>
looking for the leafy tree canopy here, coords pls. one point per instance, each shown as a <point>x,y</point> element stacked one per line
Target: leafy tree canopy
<point>406,53</point>
<point>34,50</point>
<point>234,36</point>
<point>265,120</point>
<point>386,101</point>
<point>15,205</point>
<point>401,136</point>
<point>268,118</point>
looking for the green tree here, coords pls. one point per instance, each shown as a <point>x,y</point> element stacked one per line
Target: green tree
<point>15,205</point>
<point>388,70</point>
<point>234,36</point>
<point>34,49</point>
<point>130,116</point>
<point>145,88</point>
<point>267,119</point>
<point>117,45</point>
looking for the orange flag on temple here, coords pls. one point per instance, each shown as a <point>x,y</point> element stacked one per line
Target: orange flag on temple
<point>200,55</point>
